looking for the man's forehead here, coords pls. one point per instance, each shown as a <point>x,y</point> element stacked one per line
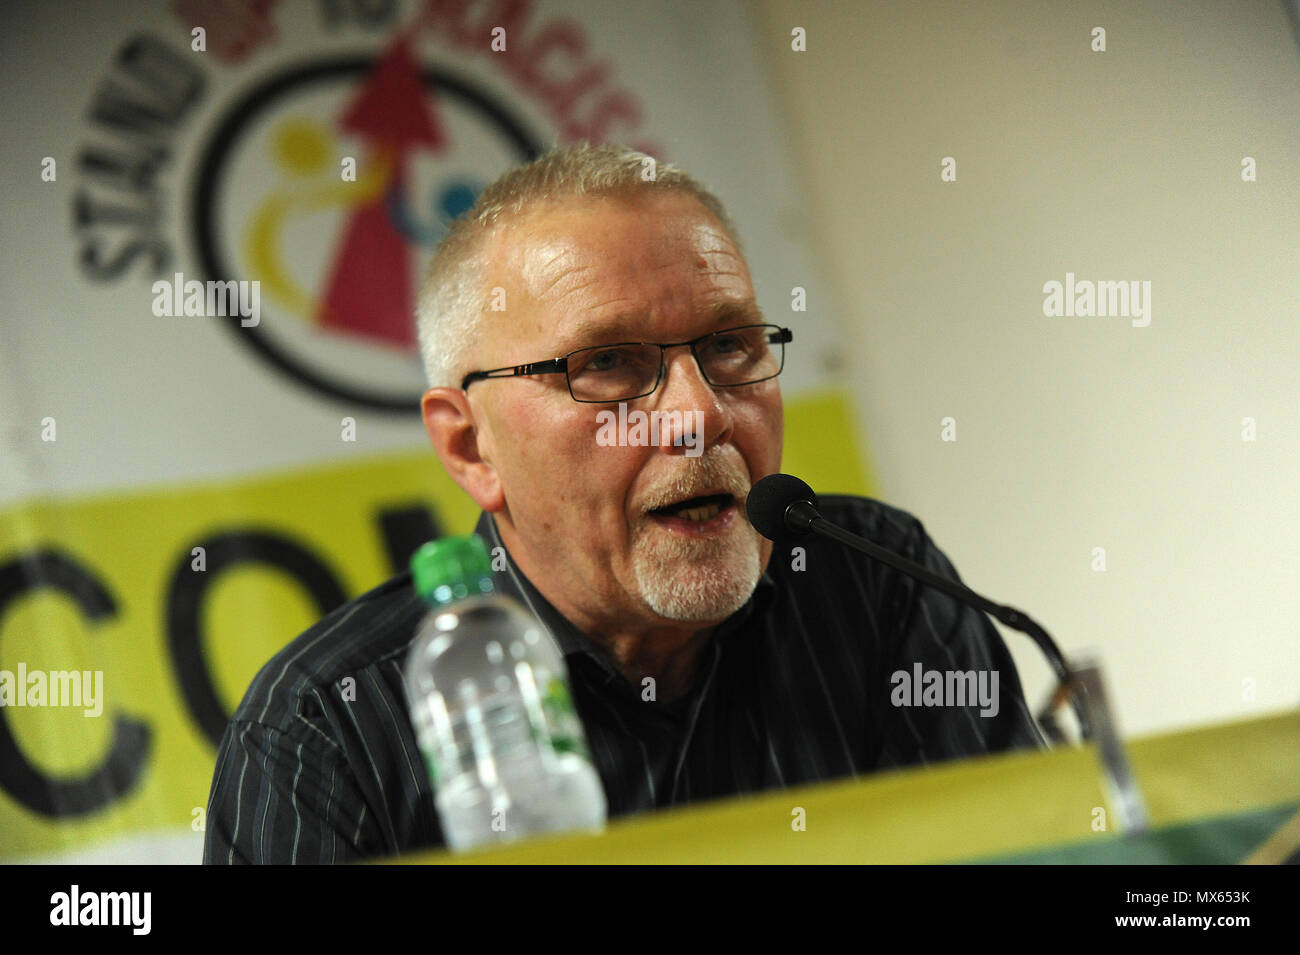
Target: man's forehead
<point>636,323</point>
<point>614,263</point>
<point>619,230</point>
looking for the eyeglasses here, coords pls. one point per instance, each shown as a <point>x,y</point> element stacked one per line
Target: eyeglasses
<point>744,355</point>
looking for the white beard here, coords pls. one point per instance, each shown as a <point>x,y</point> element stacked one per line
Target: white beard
<point>696,580</point>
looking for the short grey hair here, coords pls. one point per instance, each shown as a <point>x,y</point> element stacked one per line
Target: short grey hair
<point>453,297</point>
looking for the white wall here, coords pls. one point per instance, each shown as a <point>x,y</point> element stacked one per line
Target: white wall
<point>1075,433</point>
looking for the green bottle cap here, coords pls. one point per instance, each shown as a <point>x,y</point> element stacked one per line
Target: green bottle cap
<point>451,568</point>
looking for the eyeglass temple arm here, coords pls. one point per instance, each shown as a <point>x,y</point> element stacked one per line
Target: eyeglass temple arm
<point>549,367</point>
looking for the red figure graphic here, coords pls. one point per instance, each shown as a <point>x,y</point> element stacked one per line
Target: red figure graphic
<point>370,289</point>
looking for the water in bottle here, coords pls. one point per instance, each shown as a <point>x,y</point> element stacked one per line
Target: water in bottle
<point>489,698</point>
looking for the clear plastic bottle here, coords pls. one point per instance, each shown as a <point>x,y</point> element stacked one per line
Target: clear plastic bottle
<point>489,699</point>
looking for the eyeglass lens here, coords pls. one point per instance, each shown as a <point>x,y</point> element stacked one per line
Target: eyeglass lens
<point>733,356</point>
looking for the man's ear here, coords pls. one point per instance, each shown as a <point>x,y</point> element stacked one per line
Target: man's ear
<point>456,438</point>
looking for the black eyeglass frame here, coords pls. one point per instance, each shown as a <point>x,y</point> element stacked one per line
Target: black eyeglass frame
<point>554,366</point>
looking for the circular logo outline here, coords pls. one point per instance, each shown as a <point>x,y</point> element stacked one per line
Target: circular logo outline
<point>226,134</point>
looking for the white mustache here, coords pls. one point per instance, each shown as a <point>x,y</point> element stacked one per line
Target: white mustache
<point>712,473</point>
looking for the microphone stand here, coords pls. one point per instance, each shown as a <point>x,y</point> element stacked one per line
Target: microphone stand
<point>1081,684</point>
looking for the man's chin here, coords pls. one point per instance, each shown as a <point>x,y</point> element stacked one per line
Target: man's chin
<point>696,580</point>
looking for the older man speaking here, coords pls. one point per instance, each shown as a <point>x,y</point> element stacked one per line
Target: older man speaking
<point>591,286</point>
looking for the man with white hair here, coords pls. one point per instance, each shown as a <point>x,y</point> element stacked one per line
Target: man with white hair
<point>701,665</point>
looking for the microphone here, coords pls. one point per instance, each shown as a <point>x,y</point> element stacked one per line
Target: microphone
<point>783,508</point>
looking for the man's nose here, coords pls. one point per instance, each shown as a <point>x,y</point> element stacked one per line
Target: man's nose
<point>704,420</point>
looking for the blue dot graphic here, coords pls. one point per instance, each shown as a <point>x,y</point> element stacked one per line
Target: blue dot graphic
<point>456,198</point>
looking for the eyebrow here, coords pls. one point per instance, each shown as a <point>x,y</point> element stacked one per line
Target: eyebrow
<point>746,312</point>
<point>590,334</point>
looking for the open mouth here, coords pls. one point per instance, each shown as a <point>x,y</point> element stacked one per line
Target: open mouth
<point>696,510</point>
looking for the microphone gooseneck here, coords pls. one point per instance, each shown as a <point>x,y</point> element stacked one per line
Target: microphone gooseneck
<point>783,508</point>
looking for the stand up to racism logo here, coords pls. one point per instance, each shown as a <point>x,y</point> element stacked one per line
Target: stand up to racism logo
<point>326,177</point>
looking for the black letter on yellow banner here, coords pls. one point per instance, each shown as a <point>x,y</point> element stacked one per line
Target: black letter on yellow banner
<point>126,758</point>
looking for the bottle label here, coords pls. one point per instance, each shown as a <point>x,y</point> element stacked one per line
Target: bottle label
<point>562,720</point>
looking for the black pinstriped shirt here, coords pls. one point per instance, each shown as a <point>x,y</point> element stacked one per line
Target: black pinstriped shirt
<point>797,686</point>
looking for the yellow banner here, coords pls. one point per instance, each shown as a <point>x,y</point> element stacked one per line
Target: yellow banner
<point>175,597</point>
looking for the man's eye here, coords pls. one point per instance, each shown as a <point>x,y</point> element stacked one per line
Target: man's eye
<point>734,346</point>
<point>604,361</point>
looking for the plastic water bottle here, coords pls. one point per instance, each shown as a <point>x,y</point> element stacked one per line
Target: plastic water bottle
<point>489,698</point>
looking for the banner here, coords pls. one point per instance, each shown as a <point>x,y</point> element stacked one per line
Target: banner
<point>218,216</point>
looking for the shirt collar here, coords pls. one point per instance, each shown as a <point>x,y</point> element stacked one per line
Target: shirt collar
<point>512,582</point>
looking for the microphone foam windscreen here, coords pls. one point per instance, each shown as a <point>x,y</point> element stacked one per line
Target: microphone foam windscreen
<point>769,499</point>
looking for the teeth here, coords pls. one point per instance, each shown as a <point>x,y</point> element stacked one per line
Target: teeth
<point>700,513</point>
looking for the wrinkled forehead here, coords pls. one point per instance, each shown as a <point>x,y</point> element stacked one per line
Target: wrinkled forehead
<point>634,266</point>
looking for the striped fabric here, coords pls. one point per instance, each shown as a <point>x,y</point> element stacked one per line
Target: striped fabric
<point>795,687</point>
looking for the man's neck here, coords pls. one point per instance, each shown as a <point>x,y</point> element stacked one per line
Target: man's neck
<point>670,655</point>
<point>671,658</point>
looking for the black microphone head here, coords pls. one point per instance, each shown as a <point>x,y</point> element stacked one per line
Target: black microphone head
<point>768,501</point>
